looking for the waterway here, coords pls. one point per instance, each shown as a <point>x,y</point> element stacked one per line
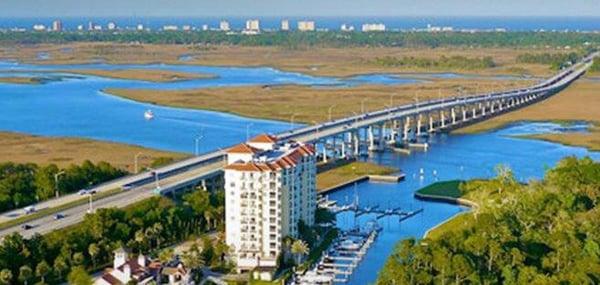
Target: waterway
<point>449,157</point>
<point>73,105</point>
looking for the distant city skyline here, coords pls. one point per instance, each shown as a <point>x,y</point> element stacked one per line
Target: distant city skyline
<point>268,8</point>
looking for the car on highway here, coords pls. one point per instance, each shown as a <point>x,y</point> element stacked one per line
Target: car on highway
<point>126,187</point>
<point>26,227</point>
<point>29,210</point>
<point>87,192</point>
<point>58,216</point>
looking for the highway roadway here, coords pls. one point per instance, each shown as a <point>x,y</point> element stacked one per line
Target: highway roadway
<point>76,214</point>
<point>143,184</point>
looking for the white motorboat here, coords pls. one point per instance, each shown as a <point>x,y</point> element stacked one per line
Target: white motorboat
<point>149,115</point>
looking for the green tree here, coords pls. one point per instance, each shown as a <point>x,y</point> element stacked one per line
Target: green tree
<point>299,249</point>
<point>25,274</point>
<point>93,251</point>
<point>41,270</point>
<point>6,276</point>
<point>78,276</point>
<point>60,266</point>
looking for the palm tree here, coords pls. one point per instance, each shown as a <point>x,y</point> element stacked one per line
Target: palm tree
<point>192,258</point>
<point>6,276</point>
<point>93,250</point>
<point>25,274</point>
<point>41,270</point>
<point>60,266</point>
<point>299,248</point>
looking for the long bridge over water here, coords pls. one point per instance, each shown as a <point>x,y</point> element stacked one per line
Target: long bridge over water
<point>341,138</point>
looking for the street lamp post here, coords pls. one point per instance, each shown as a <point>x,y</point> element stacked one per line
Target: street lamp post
<point>330,109</point>
<point>197,144</point>
<point>292,121</point>
<point>248,131</point>
<point>56,192</point>
<point>362,105</point>
<point>135,161</point>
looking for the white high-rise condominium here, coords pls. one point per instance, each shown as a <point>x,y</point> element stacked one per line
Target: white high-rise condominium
<point>306,26</point>
<point>285,25</point>
<point>373,27</point>
<point>253,25</point>
<point>224,26</point>
<point>270,187</point>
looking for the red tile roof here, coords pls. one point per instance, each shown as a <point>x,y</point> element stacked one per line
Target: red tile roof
<point>243,148</point>
<point>264,138</point>
<point>289,160</point>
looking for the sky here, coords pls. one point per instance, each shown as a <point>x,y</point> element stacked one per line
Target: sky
<point>219,8</point>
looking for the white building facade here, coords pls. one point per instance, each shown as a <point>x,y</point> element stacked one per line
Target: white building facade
<point>306,26</point>
<point>373,27</point>
<point>270,187</point>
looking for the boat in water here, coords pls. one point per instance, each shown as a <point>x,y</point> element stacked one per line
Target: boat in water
<point>149,115</point>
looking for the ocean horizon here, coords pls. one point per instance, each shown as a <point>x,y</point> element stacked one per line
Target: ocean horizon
<point>513,23</point>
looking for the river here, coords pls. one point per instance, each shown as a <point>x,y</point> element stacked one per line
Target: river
<point>450,157</point>
<point>75,106</point>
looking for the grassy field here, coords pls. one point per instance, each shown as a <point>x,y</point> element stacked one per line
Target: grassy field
<point>348,172</point>
<point>20,80</point>
<point>142,74</point>
<point>307,104</point>
<point>579,102</point>
<point>314,60</point>
<point>448,189</point>
<point>23,148</point>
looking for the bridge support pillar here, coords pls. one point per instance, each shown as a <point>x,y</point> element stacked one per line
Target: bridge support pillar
<point>371,137</point>
<point>443,119</point>
<point>356,141</point>
<point>474,113</point>
<point>381,142</point>
<point>431,129</point>
<point>343,150</point>
<point>324,150</point>
<point>419,125</point>
<point>453,114</point>
<point>464,114</point>
<point>406,129</point>
<point>492,108</point>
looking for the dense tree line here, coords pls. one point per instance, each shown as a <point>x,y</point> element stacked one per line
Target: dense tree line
<point>596,65</point>
<point>25,184</point>
<point>546,232</point>
<point>299,39</point>
<point>145,227</point>
<point>453,62</point>
<point>555,60</point>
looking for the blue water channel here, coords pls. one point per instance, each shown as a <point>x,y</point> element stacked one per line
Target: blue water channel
<point>74,105</point>
<point>449,157</point>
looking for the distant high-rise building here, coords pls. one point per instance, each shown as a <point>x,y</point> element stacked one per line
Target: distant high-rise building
<point>347,28</point>
<point>57,26</point>
<point>170,28</point>
<point>90,26</point>
<point>224,26</point>
<point>140,27</point>
<point>373,27</point>
<point>80,27</point>
<point>253,25</point>
<point>285,25</point>
<point>39,27</point>
<point>205,27</point>
<point>186,28</point>
<point>112,26</point>
<point>306,26</point>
